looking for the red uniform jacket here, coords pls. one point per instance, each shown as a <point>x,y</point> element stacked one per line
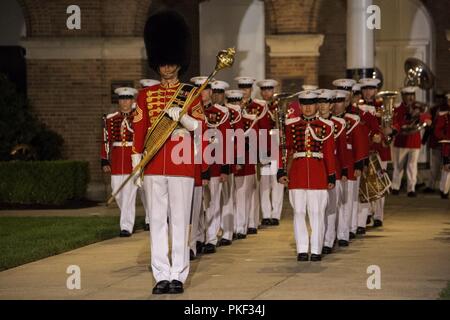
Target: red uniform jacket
<point>117,142</point>
<point>313,164</point>
<point>201,169</point>
<point>236,123</point>
<point>217,118</point>
<point>383,149</point>
<point>340,152</point>
<point>402,117</point>
<point>442,132</point>
<point>151,101</point>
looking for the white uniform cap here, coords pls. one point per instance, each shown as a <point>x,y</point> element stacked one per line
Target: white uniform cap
<point>344,84</point>
<point>267,83</point>
<point>198,81</point>
<point>325,94</point>
<point>234,94</point>
<point>356,87</point>
<point>339,94</point>
<point>148,82</point>
<point>219,85</point>
<point>126,92</point>
<point>369,82</point>
<point>307,97</point>
<point>245,81</point>
<point>309,87</point>
<point>408,90</point>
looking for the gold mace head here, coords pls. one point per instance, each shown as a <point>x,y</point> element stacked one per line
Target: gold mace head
<point>225,58</point>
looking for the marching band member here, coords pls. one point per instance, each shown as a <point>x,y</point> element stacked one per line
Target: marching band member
<point>406,144</point>
<point>356,94</point>
<point>116,156</point>
<point>442,132</point>
<point>167,178</point>
<point>335,195</point>
<point>310,143</point>
<point>271,191</point>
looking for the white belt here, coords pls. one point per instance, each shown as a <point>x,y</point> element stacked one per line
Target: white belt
<point>123,144</point>
<point>308,154</point>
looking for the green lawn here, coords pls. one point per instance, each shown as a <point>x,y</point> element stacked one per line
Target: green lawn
<point>26,239</point>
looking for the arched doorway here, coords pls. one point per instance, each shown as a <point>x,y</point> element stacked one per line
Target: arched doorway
<point>233,23</point>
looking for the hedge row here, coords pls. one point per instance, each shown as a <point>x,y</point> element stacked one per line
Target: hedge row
<point>43,182</point>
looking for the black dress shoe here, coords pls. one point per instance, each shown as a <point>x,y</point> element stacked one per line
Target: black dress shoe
<point>241,236</point>
<point>444,195</point>
<point>352,235</point>
<point>326,250</point>
<point>275,222</point>
<point>125,233</point>
<point>266,222</point>
<point>225,242</point>
<point>302,257</point>
<point>369,219</point>
<point>377,223</point>
<point>395,192</point>
<point>412,194</point>
<point>161,287</point>
<point>209,248</point>
<point>252,231</point>
<point>343,243</point>
<point>191,255</point>
<point>176,287</point>
<point>235,236</point>
<point>199,246</point>
<point>147,227</point>
<point>361,230</point>
<point>428,190</point>
<point>316,257</point>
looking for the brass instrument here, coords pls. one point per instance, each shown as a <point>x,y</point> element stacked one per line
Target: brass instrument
<point>387,110</point>
<point>282,99</point>
<point>163,126</point>
<point>375,182</point>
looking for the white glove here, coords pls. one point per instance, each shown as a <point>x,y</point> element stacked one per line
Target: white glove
<point>135,159</point>
<point>188,122</point>
<point>174,113</point>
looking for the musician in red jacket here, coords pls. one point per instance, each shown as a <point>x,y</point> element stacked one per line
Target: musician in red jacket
<point>310,144</point>
<point>407,143</point>
<point>116,156</point>
<point>169,175</point>
<point>335,195</point>
<point>442,134</point>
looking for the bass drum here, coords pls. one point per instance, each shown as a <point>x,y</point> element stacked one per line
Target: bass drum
<point>375,182</point>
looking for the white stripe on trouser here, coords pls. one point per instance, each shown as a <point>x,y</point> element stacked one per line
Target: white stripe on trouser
<point>228,211</point>
<point>379,204</point>
<point>271,193</point>
<point>403,155</point>
<point>174,193</point>
<point>314,202</point>
<point>126,200</point>
<point>344,210</point>
<point>253,217</point>
<point>444,185</point>
<point>212,214</point>
<point>330,215</point>
<point>353,193</point>
<point>435,167</point>
<point>244,189</point>
<point>145,204</point>
<point>196,213</point>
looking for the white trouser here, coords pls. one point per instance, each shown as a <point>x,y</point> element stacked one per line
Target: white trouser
<point>145,204</point>
<point>228,210</point>
<point>403,155</point>
<point>244,190</point>
<point>444,185</point>
<point>271,193</point>
<point>435,167</point>
<point>212,214</point>
<point>126,200</point>
<point>174,193</point>
<point>353,193</point>
<point>314,202</point>
<point>378,205</point>
<point>331,213</point>
<point>344,210</point>
<point>253,217</point>
<point>195,222</point>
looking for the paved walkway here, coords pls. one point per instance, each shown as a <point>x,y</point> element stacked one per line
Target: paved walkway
<point>412,250</point>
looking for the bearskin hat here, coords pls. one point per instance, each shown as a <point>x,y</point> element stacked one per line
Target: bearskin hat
<point>167,40</point>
